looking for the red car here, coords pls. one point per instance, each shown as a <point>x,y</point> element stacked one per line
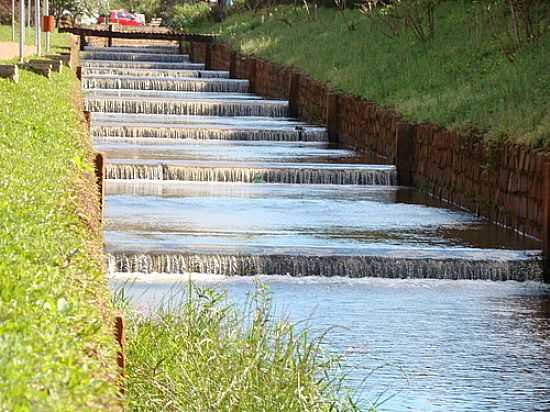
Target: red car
<point>121,17</point>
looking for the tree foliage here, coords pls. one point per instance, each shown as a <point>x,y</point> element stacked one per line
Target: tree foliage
<point>416,16</point>
<point>514,23</point>
<point>77,8</point>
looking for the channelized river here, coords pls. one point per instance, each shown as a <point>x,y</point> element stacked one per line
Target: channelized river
<point>428,345</point>
<point>204,177</point>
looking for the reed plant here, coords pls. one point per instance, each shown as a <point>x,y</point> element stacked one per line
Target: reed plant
<point>206,354</point>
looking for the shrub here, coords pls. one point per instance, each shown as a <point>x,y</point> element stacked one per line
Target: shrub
<point>414,15</point>
<point>205,355</point>
<point>186,15</point>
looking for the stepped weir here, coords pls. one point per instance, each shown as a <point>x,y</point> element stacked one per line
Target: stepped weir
<point>203,176</point>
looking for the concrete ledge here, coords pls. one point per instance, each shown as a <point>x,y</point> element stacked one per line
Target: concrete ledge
<point>9,71</point>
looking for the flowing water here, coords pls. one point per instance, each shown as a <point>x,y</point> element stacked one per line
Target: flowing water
<point>430,345</point>
<point>192,84</point>
<point>206,178</point>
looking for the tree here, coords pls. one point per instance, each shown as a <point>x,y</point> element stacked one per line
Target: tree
<point>414,15</point>
<point>76,8</point>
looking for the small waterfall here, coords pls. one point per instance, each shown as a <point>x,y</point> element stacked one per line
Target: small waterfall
<point>115,71</point>
<point>262,108</point>
<point>203,133</point>
<point>348,266</point>
<point>142,57</point>
<point>290,175</point>
<point>135,49</point>
<point>167,84</point>
<point>141,65</point>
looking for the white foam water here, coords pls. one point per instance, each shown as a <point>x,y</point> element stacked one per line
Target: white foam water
<point>188,84</point>
<point>268,108</point>
<point>328,266</point>
<point>137,72</point>
<point>341,175</point>
<point>144,57</point>
<point>131,133</point>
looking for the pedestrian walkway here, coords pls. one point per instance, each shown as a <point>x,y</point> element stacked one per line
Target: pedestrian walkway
<point>10,50</point>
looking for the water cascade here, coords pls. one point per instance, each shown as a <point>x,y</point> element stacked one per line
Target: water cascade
<point>348,266</point>
<point>192,107</point>
<point>138,49</point>
<point>192,84</point>
<point>132,132</point>
<point>141,65</point>
<point>115,71</point>
<point>282,210</point>
<point>298,174</point>
<point>134,57</point>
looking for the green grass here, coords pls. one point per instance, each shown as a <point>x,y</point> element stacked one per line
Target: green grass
<point>57,39</point>
<point>186,14</point>
<point>459,79</point>
<point>56,345</point>
<point>206,355</point>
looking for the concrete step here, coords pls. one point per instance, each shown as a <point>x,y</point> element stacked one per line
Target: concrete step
<point>189,84</point>
<point>148,73</point>
<point>330,230</point>
<point>239,172</point>
<point>135,49</point>
<point>133,128</point>
<point>197,106</point>
<point>228,151</point>
<point>148,65</point>
<point>131,56</point>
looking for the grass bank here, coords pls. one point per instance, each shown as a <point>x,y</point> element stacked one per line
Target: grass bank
<point>460,78</point>
<point>204,354</point>
<point>55,37</point>
<point>57,351</point>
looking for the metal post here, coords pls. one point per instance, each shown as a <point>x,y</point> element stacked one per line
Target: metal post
<point>405,152</point>
<point>293,94</point>
<point>208,56</point>
<point>333,116</point>
<point>47,35</point>
<point>546,221</point>
<point>110,39</point>
<point>37,27</point>
<point>21,30</point>
<point>233,65</point>
<point>252,68</point>
<point>12,20</point>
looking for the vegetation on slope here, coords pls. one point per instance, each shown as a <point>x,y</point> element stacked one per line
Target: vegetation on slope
<point>204,355</point>
<point>57,351</point>
<point>463,76</point>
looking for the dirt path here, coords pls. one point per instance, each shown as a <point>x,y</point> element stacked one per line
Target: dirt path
<point>10,50</point>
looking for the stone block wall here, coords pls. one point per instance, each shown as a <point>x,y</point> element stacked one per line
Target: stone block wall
<point>503,183</point>
<point>197,51</point>
<point>311,100</point>
<point>220,56</point>
<point>367,126</point>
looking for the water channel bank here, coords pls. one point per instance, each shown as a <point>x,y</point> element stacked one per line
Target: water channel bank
<point>428,345</point>
<point>57,351</point>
